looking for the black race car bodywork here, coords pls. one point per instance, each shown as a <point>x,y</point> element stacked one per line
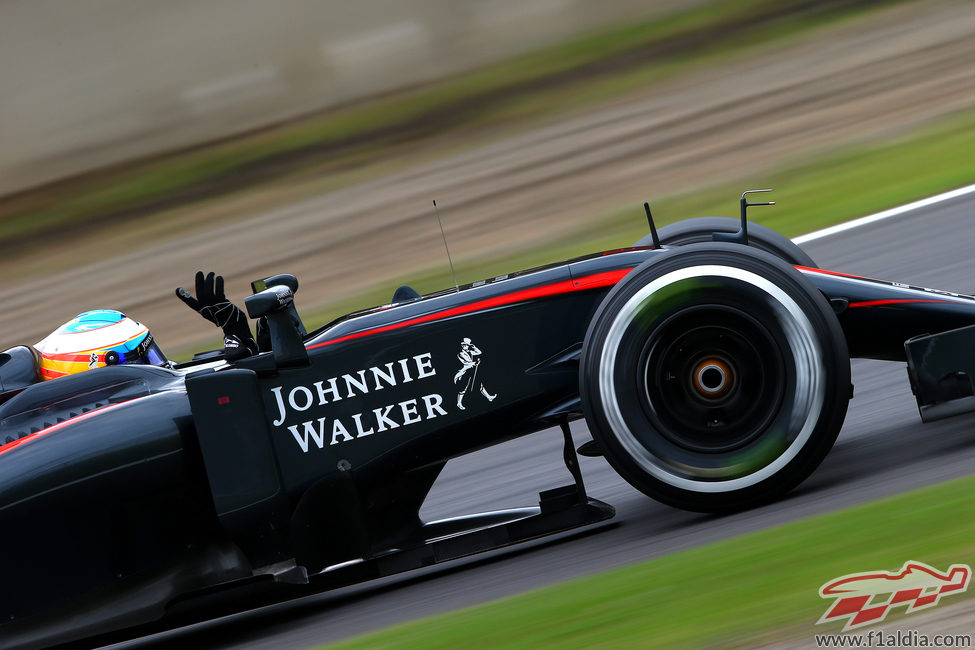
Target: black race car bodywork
<point>713,376</point>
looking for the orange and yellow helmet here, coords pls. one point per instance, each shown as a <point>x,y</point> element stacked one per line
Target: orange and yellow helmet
<point>94,339</point>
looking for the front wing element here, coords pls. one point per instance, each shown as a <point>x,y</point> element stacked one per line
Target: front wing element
<point>941,367</point>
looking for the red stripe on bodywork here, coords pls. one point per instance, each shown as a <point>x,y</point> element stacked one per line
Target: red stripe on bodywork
<point>825,272</point>
<point>605,279</point>
<point>60,425</point>
<point>879,303</point>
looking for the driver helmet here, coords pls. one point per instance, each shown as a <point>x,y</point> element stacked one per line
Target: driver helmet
<point>94,339</point>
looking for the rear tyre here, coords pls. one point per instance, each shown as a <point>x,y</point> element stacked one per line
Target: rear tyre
<point>714,377</point>
<point>700,229</point>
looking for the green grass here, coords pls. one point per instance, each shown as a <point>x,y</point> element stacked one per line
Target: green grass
<point>750,589</point>
<point>570,75</point>
<point>848,183</point>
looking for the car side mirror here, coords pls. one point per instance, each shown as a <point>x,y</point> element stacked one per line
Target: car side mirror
<point>285,280</point>
<point>276,304</point>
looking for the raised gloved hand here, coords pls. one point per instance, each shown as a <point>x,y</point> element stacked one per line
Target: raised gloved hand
<point>211,303</point>
<point>234,349</point>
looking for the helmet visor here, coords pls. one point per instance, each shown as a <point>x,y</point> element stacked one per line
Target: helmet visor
<point>150,355</point>
<point>155,356</point>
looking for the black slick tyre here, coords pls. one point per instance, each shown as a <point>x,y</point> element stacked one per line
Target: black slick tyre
<point>700,229</point>
<point>714,377</point>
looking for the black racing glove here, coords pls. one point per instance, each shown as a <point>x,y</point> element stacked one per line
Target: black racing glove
<point>234,349</point>
<point>212,304</point>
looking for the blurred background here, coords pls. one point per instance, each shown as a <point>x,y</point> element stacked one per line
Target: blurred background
<point>141,141</point>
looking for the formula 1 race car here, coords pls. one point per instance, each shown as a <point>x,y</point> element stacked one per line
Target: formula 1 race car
<point>711,363</point>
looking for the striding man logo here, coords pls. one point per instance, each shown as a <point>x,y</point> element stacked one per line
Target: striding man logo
<point>466,378</point>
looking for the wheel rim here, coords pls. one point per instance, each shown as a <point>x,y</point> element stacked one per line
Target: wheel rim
<point>743,457</point>
<point>711,377</point>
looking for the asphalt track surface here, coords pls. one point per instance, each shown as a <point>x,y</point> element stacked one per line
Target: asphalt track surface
<point>882,450</point>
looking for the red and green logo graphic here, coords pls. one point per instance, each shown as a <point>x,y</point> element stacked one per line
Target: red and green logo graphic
<point>865,598</point>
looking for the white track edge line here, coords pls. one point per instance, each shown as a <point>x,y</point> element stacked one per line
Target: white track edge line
<point>886,214</point>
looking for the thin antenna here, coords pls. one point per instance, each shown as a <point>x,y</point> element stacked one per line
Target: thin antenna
<point>436,211</point>
<point>653,228</point>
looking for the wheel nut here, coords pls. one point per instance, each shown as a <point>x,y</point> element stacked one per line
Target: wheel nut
<point>712,378</point>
